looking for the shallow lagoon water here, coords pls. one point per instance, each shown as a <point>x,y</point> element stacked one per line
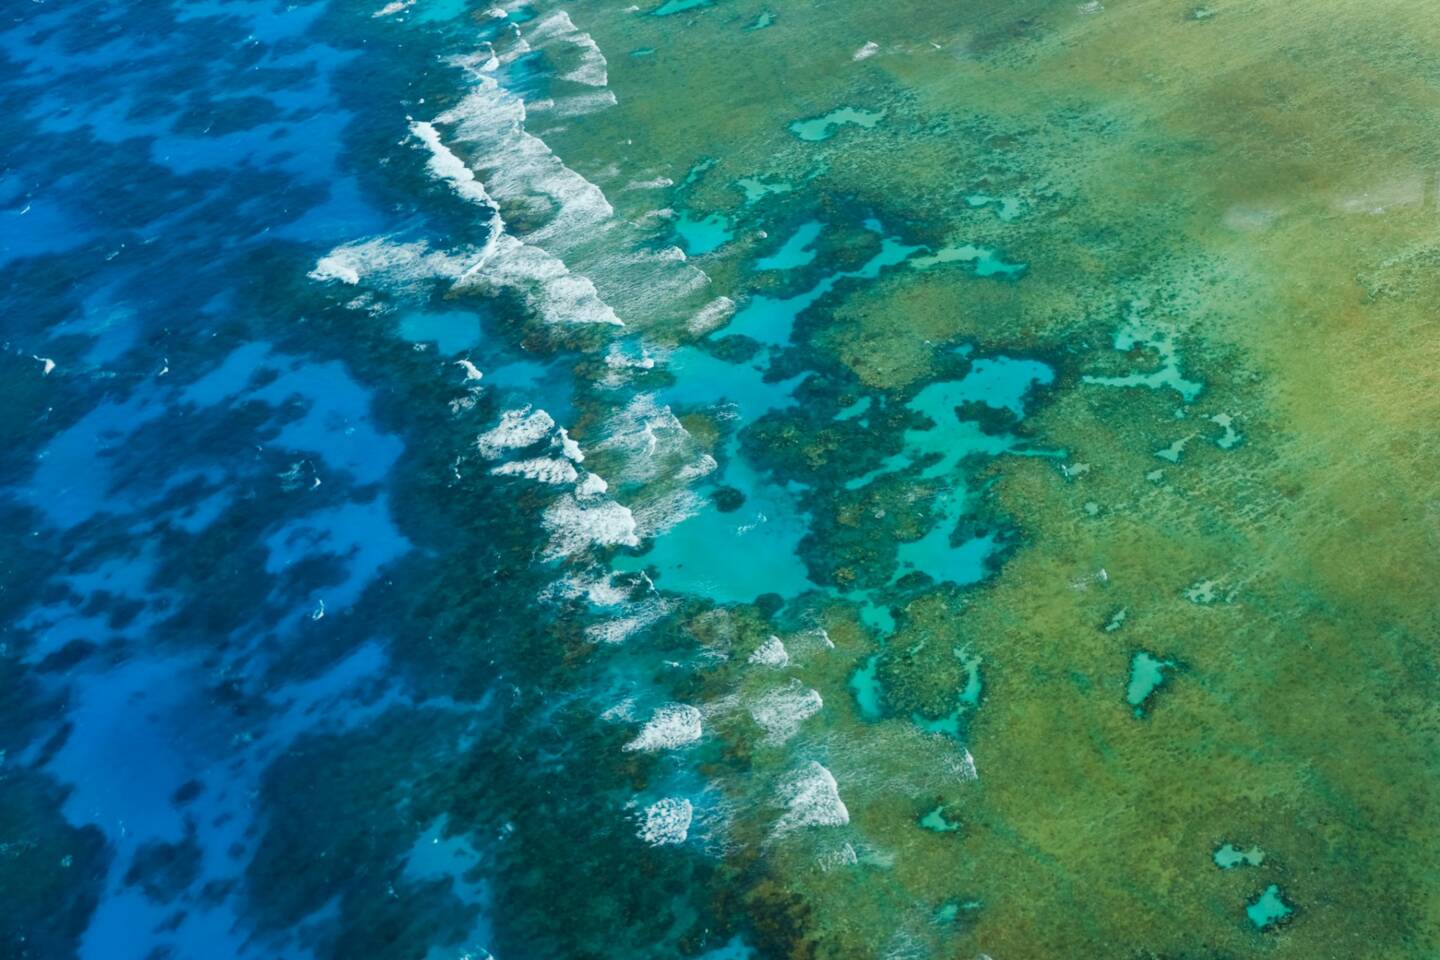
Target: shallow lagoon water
<point>368,598</point>
<point>771,320</point>
<point>825,126</point>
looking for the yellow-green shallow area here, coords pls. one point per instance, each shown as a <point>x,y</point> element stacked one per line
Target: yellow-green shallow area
<point>1242,195</point>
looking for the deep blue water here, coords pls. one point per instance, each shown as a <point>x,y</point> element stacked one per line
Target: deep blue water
<point>234,721</point>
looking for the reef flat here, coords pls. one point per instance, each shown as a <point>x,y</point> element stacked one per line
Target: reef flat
<point>721,479</point>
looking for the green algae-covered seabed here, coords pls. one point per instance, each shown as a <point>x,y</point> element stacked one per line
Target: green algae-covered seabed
<point>1206,610</point>
<point>928,480</point>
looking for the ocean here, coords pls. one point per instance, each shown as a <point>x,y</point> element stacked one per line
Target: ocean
<point>719,479</point>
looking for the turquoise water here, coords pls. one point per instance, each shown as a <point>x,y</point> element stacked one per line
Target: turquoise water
<point>824,127</point>
<point>943,561</point>
<point>698,556</point>
<point>855,409</point>
<point>758,188</point>
<point>451,332</point>
<point>1228,856</point>
<point>1137,333</point>
<point>703,380</point>
<point>797,251</point>
<point>1006,208</point>
<point>935,821</point>
<point>1268,909</point>
<point>704,235</point>
<point>865,684</point>
<point>998,383</point>
<point>1147,674</point>
<point>771,320</point>
<point>985,261</point>
<point>679,6</point>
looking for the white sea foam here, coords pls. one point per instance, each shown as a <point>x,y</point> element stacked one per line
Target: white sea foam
<point>811,798</point>
<point>392,265</point>
<point>808,643</point>
<point>620,629</point>
<point>771,653</point>
<point>596,586</point>
<point>656,515</point>
<point>590,487</point>
<point>543,469</point>
<point>867,51</point>
<point>559,28</point>
<point>574,526</point>
<point>618,359</point>
<point>548,286</point>
<point>670,726</point>
<point>781,711</point>
<point>651,437</point>
<point>703,466</point>
<point>472,372</point>
<point>843,856</point>
<point>576,105</point>
<point>658,183</point>
<point>569,448</point>
<point>964,766</point>
<point>491,122</point>
<point>712,316</point>
<point>445,165</point>
<point>620,363</point>
<point>666,821</point>
<point>622,712</point>
<point>516,430</point>
<point>575,222</point>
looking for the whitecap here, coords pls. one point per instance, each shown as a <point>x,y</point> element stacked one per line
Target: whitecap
<point>568,447</point>
<point>964,766</point>
<point>397,266</point>
<point>658,183</point>
<point>620,629</point>
<point>516,430</point>
<point>712,316</point>
<point>577,105</point>
<point>622,712</point>
<point>702,467</point>
<point>656,515</point>
<point>811,798</point>
<point>590,487</point>
<point>771,653</point>
<point>542,469</point>
<point>575,223</point>
<point>445,165</point>
<point>558,27</point>
<point>672,725</point>
<point>666,821</point>
<point>548,286</point>
<point>575,526</point>
<point>651,439</point>
<point>780,712</point>
<point>597,587</point>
